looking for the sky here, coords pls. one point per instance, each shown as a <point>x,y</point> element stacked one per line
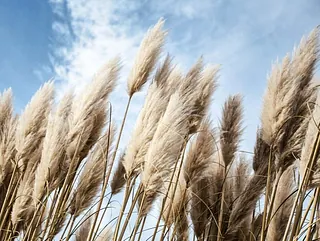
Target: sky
<point>68,40</point>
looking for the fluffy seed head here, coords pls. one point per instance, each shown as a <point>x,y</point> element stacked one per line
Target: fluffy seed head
<point>83,232</point>
<point>203,95</point>
<point>53,153</point>
<point>118,180</point>
<point>146,58</point>
<point>165,149</point>
<point>200,155</point>
<point>32,123</point>
<point>231,128</point>
<point>309,142</point>
<point>7,134</point>
<point>146,126</point>
<point>92,174</point>
<point>282,204</point>
<point>87,109</point>
<point>290,89</point>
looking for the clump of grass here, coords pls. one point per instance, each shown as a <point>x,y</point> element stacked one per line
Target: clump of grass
<point>56,159</point>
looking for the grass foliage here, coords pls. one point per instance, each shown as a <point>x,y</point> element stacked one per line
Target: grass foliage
<point>60,166</point>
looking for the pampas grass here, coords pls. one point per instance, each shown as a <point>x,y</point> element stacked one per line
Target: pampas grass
<point>154,107</point>
<point>201,153</point>
<point>231,129</point>
<point>147,57</point>
<point>57,157</point>
<point>165,149</point>
<point>7,135</point>
<point>83,232</point>
<point>31,127</point>
<point>311,135</point>
<point>50,168</point>
<point>92,175</point>
<point>119,179</point>
<point>283,204</point>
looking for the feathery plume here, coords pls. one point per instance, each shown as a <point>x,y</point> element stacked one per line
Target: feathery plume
<point>144,131</point>
<point>7,135</point>
<point>282,206</point>
<point>190,86</point>
<point>206,87</point>
<point>22,208</point>
<point>146,58</point>
<point>174,199</point>
<point>191,80</point>
<point>222,197</point>
<point>236,182</point>
<point>92,174</point>
<point>261,152</point>
<point>278,79</point>
<point>200,155</point>
<point>102,84</point>
<point>88,107</point>
<point>163,72</point>
<point>53,153</point>
<point>307,149</point>
<point>83,232</point>
<point>204,176</point>
<point>240,176</point>
<point>174,80</point>
<point>201,203</point>
<point>165,149</point>
<point>290,89</point>
<point>6,108</point>
<point>146,125</point>
<point>32,123</point>
<point>231,128</point>
<point>7,149</point>
<point>118,180</point>
<point>99,120</point>
<point>245,204</point>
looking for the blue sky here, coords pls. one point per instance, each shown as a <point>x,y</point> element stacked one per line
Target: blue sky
<point>70,39</point>
<point>25,31</point>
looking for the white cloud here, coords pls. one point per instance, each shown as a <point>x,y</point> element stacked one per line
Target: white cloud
<point>94,39</point>
<point>188,9</point>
